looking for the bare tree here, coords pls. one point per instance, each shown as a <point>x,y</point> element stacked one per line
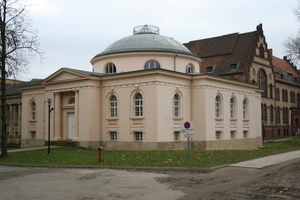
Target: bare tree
<point>19,43</point>
<point>292,44</point>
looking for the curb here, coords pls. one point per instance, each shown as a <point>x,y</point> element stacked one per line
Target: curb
<point>162,169</point>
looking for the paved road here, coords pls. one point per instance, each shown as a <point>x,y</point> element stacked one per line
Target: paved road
<point>85,184</point>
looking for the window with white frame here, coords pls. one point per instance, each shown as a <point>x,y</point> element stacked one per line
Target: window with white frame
<point>245,104</point>
<point>232,108</point>
<point>176,135</point>
<point>113,106</point>
<point>218,106</point>
<point>138,105</point>
<point>151,64</point>
<point>176,105</point>
<point>232,134</point>
<point>138,136</point>
<point>245,134</point>
<point>218,135</point>
<point>33,111</point>
<point>113,135</point>
<point>110,68</point>
<point>189,69</point>
<point>32,134</point>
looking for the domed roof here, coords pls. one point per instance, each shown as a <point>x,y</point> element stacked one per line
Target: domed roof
<point>145,38</point>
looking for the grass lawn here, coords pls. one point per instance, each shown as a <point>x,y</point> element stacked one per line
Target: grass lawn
<point>167,158</point>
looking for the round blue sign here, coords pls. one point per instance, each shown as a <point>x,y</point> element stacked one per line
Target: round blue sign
<point>187,125</point>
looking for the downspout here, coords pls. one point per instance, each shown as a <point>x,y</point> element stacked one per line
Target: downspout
<point>175,61</point>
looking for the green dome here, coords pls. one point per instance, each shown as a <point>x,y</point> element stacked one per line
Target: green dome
<point>146,39</point>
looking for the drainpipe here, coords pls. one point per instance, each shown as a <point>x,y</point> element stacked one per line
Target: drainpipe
<point>175,61</point>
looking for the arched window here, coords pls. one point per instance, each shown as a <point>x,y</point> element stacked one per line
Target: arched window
<point>278,115</point>
<point>151,64</point>
<point>271,113</point>
<point>218,106</point>
<point>265,112</point>
<point>278,94</point>
<point>245,109</point>
<point>298,100</point>
<point>283,95</point>
<point>261,51</point>
<point>113,106</point>
<point>271,91</point>
<point>176,105</point>
<point>189,69</point>
<point>262,83</point>
<point>33,111</point>
<point>264,116</point>
<point>71,100</point>
<point>110,68</point>
<point>232,108</point>
<point>138,105</point>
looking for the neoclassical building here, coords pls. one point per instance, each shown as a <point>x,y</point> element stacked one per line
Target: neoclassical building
<point>140,89</point>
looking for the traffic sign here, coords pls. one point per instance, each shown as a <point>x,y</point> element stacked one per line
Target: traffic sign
<point>187,126</point>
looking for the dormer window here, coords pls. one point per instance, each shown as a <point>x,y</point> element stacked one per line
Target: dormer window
<point>209,69</point>
<point>233,67</point>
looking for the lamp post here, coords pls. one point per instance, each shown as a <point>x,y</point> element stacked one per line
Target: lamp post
<point>49,111</point>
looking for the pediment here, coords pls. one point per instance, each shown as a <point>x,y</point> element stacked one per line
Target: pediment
<point>64,75</point>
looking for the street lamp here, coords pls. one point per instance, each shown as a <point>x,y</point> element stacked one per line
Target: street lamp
<point>49,111</point>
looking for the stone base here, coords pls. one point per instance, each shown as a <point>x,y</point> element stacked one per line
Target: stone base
<point>233,144</point>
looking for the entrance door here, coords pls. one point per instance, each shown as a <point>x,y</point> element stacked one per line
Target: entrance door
<point>71,125</point>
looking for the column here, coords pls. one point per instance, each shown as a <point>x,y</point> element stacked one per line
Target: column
<point>76,115</point>
<point>57,116</point>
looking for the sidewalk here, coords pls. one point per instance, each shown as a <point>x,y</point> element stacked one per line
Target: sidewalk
<point>30,148</point>
<point>269,160</point>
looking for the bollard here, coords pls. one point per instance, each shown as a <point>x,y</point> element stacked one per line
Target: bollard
<point>99,153</point>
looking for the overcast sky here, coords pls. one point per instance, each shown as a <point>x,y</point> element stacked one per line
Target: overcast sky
<point>72,32</point>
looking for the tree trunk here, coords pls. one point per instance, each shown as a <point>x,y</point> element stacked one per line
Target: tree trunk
<point>3,83</point>
<point>3,114</point>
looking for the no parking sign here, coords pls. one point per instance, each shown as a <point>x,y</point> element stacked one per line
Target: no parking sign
<point>187,127</point>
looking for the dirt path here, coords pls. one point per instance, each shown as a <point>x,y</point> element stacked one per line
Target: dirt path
<point>281,181</point>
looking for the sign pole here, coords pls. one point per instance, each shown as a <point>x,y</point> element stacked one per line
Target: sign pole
<point>189,150</point>
<point>187,127</point>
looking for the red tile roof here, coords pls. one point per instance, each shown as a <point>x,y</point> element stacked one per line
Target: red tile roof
<point>284,65</point>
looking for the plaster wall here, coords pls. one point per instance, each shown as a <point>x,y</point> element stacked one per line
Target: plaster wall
<point>135,61</point>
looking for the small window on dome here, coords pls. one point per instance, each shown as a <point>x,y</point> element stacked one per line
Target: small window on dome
<point>151,64</point>
<point>110,68</point>
<point>71,101</point>
<point>189,69</point>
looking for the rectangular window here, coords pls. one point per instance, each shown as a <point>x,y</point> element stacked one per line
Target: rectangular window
<point>218,135</point>
<point>138,136</point>
<point>113,135</point>
<point>245,134</point>
<point>176,135</point>
<point>209,69</point>
<point>232,134</point>
<point>233,66</point>
<point>32,134</point>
